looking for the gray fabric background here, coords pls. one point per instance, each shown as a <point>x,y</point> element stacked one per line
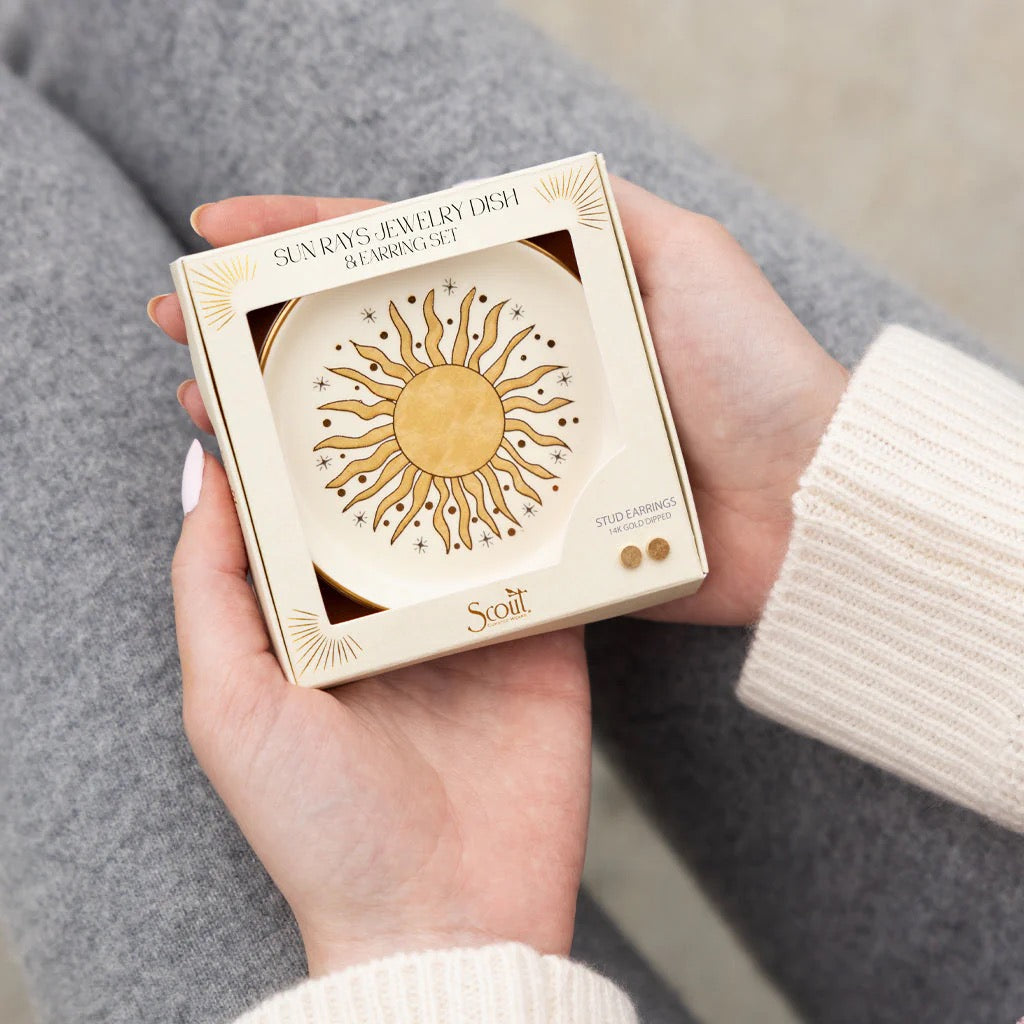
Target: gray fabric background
<point>127,891</point>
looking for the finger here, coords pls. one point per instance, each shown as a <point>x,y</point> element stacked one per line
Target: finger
<point>646,218</point>
<point>243,217</point>
<point>191,401</point>
<point>221,636</point>
<point>165,312</point>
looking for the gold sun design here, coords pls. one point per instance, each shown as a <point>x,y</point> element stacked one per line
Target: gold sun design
<point>215,285</point>
<point>314,647</point>
<point>447,426</point>
<point>580,187</point>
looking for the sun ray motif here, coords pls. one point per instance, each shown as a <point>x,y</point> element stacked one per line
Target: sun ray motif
<point>439,521</point>
<point>497,368</point>
<point>403,487</point>
<point>414,364</point>
<point>314,648</point>
<point>382,433</point>
<point>361,409</point>
<point>391,391</point>
<point>580,187</point>
<point>527,380</point>
<point>392,369</point>
<point>532,467</point>
<point>435,331</point>
<point>446,430</point>
<point>462,335</point>
<point>476,489</point>
<point>215,284</point>
<point>490,336</point>
<point>367,465</point>
<point>388,473</point>
<point>521,426</point>
<point>464,515</point>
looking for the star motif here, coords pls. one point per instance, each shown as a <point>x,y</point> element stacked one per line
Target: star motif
<point>449,286</point>
<point>370,315</point>
<point>529,510</point>
<point>360,518</point>
<point>321,383</point>
<point>420,546</point>
<point>558,456</point>
<point>323,462</point>
<point>565,378</point>
<point>517,312</point>
<point>486,539</point>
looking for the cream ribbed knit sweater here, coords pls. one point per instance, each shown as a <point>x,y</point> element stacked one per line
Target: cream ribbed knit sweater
<point>895,631</point>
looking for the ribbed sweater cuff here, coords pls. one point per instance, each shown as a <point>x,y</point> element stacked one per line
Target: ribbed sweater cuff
<point>896,628</point>
<point>506,984</point>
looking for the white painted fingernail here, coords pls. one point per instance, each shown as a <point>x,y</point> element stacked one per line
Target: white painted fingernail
<point>192,477</point>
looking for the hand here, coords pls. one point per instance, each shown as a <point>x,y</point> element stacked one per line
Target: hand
<point>751,395</point>
<point>441,805</point>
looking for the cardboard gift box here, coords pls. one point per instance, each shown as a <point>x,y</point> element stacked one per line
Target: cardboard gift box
<point>443,422</point>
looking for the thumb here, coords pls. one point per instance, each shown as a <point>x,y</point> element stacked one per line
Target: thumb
<point>221,636</point>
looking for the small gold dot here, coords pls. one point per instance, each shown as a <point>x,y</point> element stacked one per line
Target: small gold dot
<point>631,556</point>
<point>658,549</point>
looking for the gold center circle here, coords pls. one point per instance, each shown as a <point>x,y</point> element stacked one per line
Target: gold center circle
<point>449,420</point>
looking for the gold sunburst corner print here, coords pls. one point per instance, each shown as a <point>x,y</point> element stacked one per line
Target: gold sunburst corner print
<point>449,446</point>
<point>578,186</point>
<point>215,286</point>
<point>315,648</point>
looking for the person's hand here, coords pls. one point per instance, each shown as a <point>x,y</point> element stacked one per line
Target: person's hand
<point>441,805</point>
<point>751,395</point>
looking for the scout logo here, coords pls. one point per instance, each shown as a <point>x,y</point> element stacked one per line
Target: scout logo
<point>513,607</point>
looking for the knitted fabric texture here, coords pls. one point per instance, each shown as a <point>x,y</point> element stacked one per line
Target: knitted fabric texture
<point>896,628</point>
<point>505,984</point>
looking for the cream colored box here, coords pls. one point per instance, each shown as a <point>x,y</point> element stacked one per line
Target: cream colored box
<point>443,422</point>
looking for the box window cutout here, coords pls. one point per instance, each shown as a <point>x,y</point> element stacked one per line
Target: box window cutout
<point>439,422</point>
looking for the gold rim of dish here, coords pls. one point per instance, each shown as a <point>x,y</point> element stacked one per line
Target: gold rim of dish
<point>271,337</point>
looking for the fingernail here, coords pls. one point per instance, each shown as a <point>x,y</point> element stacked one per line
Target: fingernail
<point>180,393</point>
<point>192,477</point>
<point>152,304</point>
<point>195,215</point>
